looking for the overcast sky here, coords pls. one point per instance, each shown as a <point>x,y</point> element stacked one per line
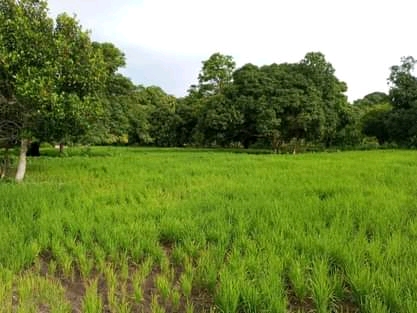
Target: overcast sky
<point>165,41</point>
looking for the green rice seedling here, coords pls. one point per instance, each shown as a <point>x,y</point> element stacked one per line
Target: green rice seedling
<point>52,268</point>
<point>409,305</point>
<point>6,290</point>
<point>92,301</point>
<point>164,264</point>
<point>35,292</point>
<point>251,298</point>
<point>373,304</point>
<point>189,307</point>
<point>86,265</point>
<point>123,292</point>
<point>37,265</point>
<point>188,267</point>
<point>123,307</point>
<point>337,280</point>
<point>124,268</point>
<point>146,268</point>
<point>178,255</point>
<point>186,281</point>
<point>228,295</point>
<point>321,287</point>
<point>207,271</point>
<point>191,247</point>
<point>163,286</point>
<point>175,299</point>
<point>58,251</point>
<point>67,265</point>
<point>166,269</point>
<point>298,276</point>
<point>361,281</point>
<point>390,291</point>
<point>137,286</point>
<point>99,257</point>
<point>112,285</point>
<point>272,288</point>
<point>155,307</point>
<point>123,304</point>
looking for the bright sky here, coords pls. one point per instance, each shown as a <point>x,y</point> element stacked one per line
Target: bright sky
<point>165,41</point>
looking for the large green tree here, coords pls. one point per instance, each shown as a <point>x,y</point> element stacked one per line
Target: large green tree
<point>217,116</point>
<point>50,71</point>
<point>401,122</point>
<point>26,54</point>
<point>80,73</point>
<point>118,99</point>
<point>331,91</point>
<point>216,74</point>
<point>155,118</point>
<point>260,112</point>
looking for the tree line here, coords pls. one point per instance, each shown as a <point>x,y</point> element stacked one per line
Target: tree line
<point>59,86</point>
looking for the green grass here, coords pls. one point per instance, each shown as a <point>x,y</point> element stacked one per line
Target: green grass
<point>176,230</point>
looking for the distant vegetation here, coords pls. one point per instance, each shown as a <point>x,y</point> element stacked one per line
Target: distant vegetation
<point>59,87</point>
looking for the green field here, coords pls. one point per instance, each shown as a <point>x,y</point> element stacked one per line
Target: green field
<point>152,230</point>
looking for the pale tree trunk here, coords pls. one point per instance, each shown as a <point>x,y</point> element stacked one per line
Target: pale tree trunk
<point>21,168</point>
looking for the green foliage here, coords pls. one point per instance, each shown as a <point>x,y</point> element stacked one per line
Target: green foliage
<point>277,103</point>
<point>371,99</point>
<point>216,74</point>
<point>403,94</point>
<point>375,122</point>
<point>26,51</point>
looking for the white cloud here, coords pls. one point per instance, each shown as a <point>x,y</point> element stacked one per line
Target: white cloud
<point>362,38</point>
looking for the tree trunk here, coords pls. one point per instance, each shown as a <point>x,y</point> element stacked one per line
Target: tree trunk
<point>21,169</point>
<point>5,165</point>
<point>34,149</point>
<point>246,143</point>
<point>61,148</point>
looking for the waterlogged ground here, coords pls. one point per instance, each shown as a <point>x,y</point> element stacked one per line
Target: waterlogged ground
<point>141,230</point>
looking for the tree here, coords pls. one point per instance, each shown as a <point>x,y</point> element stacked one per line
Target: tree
<point>261,114</point>
<point>219,120</point>
<point>118,98</point>
<point>216,74</point>
<point>374,122</point>
<point>139,127</point>
<point>187,110</point>
<point>26,41</point>
<point>373,112</point>
<point>216,115</point>
<point>371,99</point>
<point>50,71</point>
<point>299,103</point>
<point>331,92</point>
<point>155,120</point>
<point>80,73</point>
<point>9,131</point>
<point>278,102</point>
<point>403,95</point>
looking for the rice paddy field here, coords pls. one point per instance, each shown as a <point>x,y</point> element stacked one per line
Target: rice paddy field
<point>153,230</point>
